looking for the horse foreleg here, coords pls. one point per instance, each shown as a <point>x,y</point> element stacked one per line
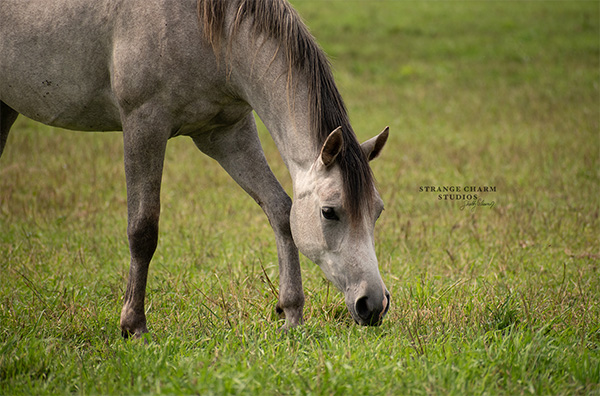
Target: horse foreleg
<point>7,118</point>
<point>145,141</point>
<point>239,152</point>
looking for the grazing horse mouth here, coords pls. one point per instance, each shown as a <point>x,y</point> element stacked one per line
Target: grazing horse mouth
<point>367,314</point>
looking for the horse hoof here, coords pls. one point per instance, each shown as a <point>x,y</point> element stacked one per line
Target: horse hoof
<point>137,335</point>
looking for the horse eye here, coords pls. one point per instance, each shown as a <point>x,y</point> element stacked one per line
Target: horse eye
<point>329,213</point>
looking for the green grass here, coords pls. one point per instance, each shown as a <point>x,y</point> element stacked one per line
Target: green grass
<point>491,301</point>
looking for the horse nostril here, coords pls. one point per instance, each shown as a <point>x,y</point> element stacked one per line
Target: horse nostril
<point>362,308</point>
<point>371,313</point>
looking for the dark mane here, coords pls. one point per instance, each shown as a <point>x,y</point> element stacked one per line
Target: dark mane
<point>278,20</point>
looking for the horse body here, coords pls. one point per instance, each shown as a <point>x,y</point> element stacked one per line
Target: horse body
<point>83,66</point>
<point>198,68</point>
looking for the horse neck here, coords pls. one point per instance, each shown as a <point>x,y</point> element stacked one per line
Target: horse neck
<point>279,95</point>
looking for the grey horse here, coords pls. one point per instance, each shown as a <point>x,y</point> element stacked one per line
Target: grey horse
<point>157,69</point>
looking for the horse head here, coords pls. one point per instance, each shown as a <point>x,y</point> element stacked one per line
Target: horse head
<point>341,244</point>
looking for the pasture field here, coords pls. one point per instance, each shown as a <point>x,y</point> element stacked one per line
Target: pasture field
<point>500,298</point>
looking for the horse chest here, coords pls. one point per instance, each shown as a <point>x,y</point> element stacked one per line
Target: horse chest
<point>209,117</point>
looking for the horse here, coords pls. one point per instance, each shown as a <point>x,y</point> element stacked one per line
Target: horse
<point>199,68</point>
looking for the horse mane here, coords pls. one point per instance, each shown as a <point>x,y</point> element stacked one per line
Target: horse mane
<point>278,20</point>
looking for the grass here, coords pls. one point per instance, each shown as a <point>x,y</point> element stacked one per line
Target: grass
<point>501,300</point>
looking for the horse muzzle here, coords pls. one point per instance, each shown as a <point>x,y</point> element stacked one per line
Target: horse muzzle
<point>370,310</point>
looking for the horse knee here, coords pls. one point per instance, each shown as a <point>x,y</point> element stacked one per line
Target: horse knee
<point>142,233</point>
<point>279,216</point>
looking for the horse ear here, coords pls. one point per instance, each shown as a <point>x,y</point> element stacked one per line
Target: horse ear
<point>332,147</point>
<point>372,147</point>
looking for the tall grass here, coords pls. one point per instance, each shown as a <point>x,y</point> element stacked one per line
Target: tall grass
<point>501,300</point>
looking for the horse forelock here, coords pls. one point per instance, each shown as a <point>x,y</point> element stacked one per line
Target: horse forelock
<point>278,20</point>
